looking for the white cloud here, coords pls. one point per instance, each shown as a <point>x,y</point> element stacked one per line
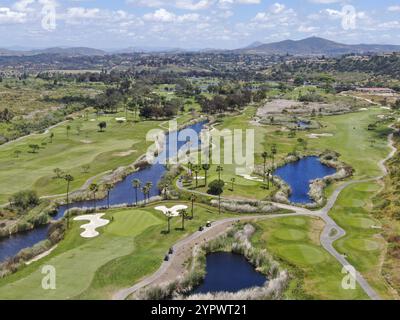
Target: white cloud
<point>162,15</point>
<point>394,8</point>
<point>9,16</point>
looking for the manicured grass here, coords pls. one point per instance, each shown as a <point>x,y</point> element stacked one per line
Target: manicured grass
<point>119,145</point>
<point>363,245</point>
<point>131,247</point>
<point>294,241</point>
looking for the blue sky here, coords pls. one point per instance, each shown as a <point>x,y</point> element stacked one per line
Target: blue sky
<point>193,23</point>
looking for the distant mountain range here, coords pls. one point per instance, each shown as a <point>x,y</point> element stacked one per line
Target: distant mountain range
<point>315,46</point>
<point>306,47</point>
<point>78,51</point>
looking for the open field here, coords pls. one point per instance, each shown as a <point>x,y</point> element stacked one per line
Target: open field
<point>83,144</point>
<point>132,246</point>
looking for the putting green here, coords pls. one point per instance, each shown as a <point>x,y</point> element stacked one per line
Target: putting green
<point>363,223</point>
<point>302,254</point>
<point>357,203</point>
<point>367,187</point>
<point>290,235</point>
<point>132,223</point>
<point>364,245</point>
<point>297,222</point>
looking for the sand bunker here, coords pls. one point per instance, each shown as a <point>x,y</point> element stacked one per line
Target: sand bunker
<point>174,211</point>
<point>319,135</point>
<point>363,109</point>
<point>86,141</point>
<point>95,222</point>
<point>386,108</point>
<point>124,154</point>
<point>251,178</point>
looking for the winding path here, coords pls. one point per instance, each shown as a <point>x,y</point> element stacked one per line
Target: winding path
<point>331,233</point>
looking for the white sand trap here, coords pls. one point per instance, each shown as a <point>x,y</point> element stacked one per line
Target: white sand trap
<point>120,119</point>
<point>199,178</point>
<point>95,222</point>
<point>174,211</point>
<point>363,109</point>
<point>124,154</point>
<point>381,116</point>
<point>86,141</point>
<point>251,178</point>
<point>319,135</point>
<point>386,108</point>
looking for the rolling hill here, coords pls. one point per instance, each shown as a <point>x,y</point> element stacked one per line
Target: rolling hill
<point>316,46</point>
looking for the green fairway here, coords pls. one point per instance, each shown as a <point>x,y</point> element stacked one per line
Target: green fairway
<point>363,245</point>
<point>119,145</point>
<point>132,246</point>
<point>295,243</point>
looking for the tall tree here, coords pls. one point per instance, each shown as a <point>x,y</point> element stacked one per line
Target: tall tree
<point>149,186</point>
<point>206,168</point>
<point>136,185</point>
<point>265,157</point>
<point>196,171</point>
<point>184,214</point>
<point>193,199</point>
<point>94,188</point>
<point>68,178</point>
<point>108,188</point>
<point>220,169</point>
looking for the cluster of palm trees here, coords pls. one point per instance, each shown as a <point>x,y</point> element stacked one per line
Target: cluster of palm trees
<point>196,169</point>
<point>146,190</point>
<point>268,172</point>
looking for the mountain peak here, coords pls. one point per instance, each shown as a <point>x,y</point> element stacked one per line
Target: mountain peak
<point>317,46</point>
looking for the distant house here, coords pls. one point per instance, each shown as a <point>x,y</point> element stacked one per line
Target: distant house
<point>376,90</point>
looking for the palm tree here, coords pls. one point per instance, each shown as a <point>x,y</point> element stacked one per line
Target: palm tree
<point>51,137</point>
<point>145,191</point>
<point>165,187</point>
<point>169,218</point>
<point>233,180</point>
<point>136,184</point>
<point>269,175</point>
<point>149,186</point>
<point>265,157</point>
<point>108,188</point>
<point>196,171</point>
<point>193,199</point>
<point>94,188</point>
<point>274,151</point>
<point>69,179</point>
<point>190,165</point>
<point>206,168</point>
<point>183,213</point>
<point>68,129</point>
<point>220,169</point>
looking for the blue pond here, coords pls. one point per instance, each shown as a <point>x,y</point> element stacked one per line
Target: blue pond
<point>299,175</point>
<point>122,193</point>
<point>228,272</point>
